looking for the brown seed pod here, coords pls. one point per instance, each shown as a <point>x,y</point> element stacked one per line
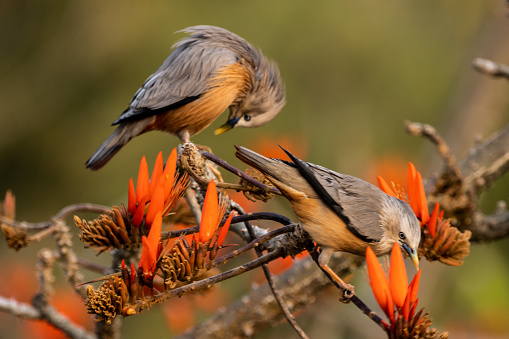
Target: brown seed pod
<point>16,237</point>
<point>104,234</point>
<point>449,245</point>
<point>414,328</point>
<point>108,300</point>
<point>252,192</point>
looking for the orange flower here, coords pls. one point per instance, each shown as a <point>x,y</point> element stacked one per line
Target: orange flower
<point>224,230</point>
<point>432,225</point>
<point>416,194</point>
<point>378,282</point>
<point>212,213</point>
<point>394,296</point>
<point>398,281</point>
<point>151,248</point>
<point>160,192</point>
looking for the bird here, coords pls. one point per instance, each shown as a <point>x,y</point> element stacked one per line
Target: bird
<point>208,71</point>
<point>340,212</point>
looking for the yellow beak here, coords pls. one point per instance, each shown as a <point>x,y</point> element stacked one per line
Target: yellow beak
<point>226,127</point>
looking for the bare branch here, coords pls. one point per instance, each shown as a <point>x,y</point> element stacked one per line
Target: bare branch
<point>50,315</point>
<point>492,68</point>
<point>18,309</point>
<point>487,162</point>
<point>62,214</point>
<point>298,287</point>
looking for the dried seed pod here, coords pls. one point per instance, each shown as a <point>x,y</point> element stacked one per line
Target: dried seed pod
<point>16,237</point>
<point>103,233</point>
<point>196,162</point>
<point>416,327</point>
<point>108,300</point>
<point>252,192</point>
<point>449,245</point>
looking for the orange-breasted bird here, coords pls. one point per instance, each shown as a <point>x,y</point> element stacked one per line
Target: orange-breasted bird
<point>207,72</point>
<point>340,212</point>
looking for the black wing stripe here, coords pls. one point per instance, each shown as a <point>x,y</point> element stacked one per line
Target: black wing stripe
<point>147,112</point>
<point>308,174</point>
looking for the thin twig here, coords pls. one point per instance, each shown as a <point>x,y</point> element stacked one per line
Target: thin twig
<point>63,213</point>
<point>429,132</point>
<point>239,173</point>
<point>40,303</point>
<point>190,197</point>
<point>68,256</point>
<point>91,266</point>
<point>205,283</point>
<point>236,219</point>
<point>253,244</point>
<point>354,299</point>
<point>284,308</point>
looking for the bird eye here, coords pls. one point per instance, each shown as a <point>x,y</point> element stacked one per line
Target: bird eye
<point>401,235</point>
<point>247,117</point>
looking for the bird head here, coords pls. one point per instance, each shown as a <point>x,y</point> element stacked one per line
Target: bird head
<point>261,103</point>
<point>402,226</point>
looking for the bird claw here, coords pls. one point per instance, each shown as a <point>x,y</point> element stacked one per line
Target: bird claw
<point>347,293</point>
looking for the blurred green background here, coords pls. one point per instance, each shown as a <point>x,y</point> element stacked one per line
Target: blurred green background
<point>354,71</point>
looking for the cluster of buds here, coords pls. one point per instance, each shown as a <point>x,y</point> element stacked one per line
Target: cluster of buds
<point>16,237</point>
<point>154,194</point>
<point>183,262</point>
<point>439,241</point>
<point>398,299</point>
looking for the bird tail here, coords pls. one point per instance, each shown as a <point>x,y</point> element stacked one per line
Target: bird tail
<point>112,145</point>
<point>274,167</point>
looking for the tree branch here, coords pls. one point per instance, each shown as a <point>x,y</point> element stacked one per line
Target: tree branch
<point>492,68</point>
<point>258,309</point>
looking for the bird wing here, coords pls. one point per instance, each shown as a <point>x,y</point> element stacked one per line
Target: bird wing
<point>182,78</point>
<point>355,201</point>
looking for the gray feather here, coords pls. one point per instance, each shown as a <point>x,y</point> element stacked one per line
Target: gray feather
<point>185,72</point>
<point>359,199</point>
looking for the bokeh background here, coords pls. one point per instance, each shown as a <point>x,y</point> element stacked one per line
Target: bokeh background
<point>355,70</point>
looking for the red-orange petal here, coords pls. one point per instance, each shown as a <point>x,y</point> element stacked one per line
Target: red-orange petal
<point>154,235</point>
<point>133,273</point>
<point>422,201</point>
<point>156,173</point>
<point>131,198</point>
<point>147,259</point>
<point>412,309</point>
<point>142,185</point>
<point>210,213</point>
<point>156,203</point>
<point>384,186</point>
<point>412,188</point>
<point>377,280</point>
<point>405,310</point>
<point>9,205</point>
<point>390,306</point>
<point>414,286</point>
<point>169,172</point>
<point>140,212</point>
<point>432,225</point>
<point>224,230</point>
<point>398,280</point>
<point>411,297</point>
